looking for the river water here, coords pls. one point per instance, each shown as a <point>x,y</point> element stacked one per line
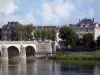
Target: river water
<point>49,67</point>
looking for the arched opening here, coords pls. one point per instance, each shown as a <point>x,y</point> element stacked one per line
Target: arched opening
<point>30,51</point>
<point>13,52</point>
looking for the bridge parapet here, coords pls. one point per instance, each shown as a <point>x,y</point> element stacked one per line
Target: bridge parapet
<point>29,42</point>
<point>44,41</point>
<point>18,42</point>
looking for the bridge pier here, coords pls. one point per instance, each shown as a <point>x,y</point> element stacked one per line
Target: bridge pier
<point>22,52</point>
<point>4,53</point>
<point>53,47</point>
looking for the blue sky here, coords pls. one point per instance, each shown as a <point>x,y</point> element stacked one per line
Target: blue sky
<point>48,12</point>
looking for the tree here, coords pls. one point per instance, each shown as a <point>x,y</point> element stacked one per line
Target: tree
<point>53,34</point>
<point>17,32</point>
<point>49,36</point>
<point>92,44</point>
<point>27,31</point>
<point>98,41</point>
<point>87,38</point>
<point>38,34</point>
<point>43,34</point>
<point>68,35</point>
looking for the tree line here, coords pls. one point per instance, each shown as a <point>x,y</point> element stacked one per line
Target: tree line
<point>70,37</point>
<point>27,32</point>
<point>45,34</point>
<point>22,32</point>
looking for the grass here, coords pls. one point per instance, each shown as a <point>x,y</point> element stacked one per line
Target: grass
<point>77,56</point>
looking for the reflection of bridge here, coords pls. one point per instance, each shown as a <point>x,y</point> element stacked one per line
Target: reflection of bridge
<point>25,48</point>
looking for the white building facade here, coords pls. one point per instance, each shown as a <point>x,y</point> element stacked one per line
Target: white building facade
<point>87,26</point>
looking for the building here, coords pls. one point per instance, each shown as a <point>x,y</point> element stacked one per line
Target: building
<point>87,26</point>
<point>7,31</point>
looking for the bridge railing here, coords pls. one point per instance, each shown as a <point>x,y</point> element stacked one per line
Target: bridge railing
<point>18,42</point>
<point>24,42</point>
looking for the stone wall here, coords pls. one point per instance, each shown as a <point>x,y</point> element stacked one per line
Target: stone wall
<point>43,48</point>
<point>96,32</point>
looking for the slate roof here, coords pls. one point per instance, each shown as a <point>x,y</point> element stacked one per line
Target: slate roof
<point>86,23</point>
<point>10,25</point>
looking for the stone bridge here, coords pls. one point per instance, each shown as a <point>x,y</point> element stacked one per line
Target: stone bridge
<point>23,49</point>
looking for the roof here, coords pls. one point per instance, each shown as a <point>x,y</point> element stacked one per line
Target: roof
<point>86,23</point>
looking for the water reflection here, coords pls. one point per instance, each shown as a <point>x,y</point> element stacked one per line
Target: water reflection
<point>46,67</point>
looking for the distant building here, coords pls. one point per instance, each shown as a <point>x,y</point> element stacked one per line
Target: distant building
<point>87,26</point>
<point>7,31</point>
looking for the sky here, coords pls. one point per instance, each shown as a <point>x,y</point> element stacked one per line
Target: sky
<point>48,12</point>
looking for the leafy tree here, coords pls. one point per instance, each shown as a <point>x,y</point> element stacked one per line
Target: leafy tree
<point>98,41</point>
<point>43,34</point>
<point>17,32</point>
<point>38,34</point>
<point>53,34</point>
<point>27,31</point>
<point>92,44</point>
<point>68,35</point>
<point>87,38</point>
<point>22,32</point>
<point>49,34</point>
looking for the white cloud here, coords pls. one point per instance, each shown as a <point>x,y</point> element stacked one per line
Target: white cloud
<point>53,12</point>
<point>63,9</point>
<point>91,12</point>
<point>81,1</point>
<point>91,1</point>
<point>29,18</point>
<point>5,19</point>
<point>7,6</point>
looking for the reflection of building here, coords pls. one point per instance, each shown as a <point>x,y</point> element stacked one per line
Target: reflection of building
<point>97,70</point>
<point>87,26</point>
<point>30,67</point>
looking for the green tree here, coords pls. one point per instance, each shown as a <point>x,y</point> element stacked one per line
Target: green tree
<point>44,34</point>
<point>53,34</point>
<point>17,32</point>
<point>87,39</point>
<point>27,31</point>
<point>98,41</point>
<point>68,35</point>
<point>38,34</point>
<point>49,34</point>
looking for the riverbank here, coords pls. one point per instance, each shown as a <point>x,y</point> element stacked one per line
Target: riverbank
<point>77,56</point>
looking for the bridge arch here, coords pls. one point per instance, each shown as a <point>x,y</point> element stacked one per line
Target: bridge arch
<point>30,51</point>
<point>12,51</point>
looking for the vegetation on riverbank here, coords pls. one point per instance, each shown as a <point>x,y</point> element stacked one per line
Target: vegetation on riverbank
<point>77,56</point>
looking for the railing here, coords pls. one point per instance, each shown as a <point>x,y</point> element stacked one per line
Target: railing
<point>18,42</point>
<point>24,42</point>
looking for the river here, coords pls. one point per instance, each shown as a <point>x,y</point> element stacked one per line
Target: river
<point>49,67</point>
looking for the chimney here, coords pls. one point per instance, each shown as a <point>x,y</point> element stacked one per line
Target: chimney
<point>93,20</point>
<point>13,22</point>
<point>79,20</point>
